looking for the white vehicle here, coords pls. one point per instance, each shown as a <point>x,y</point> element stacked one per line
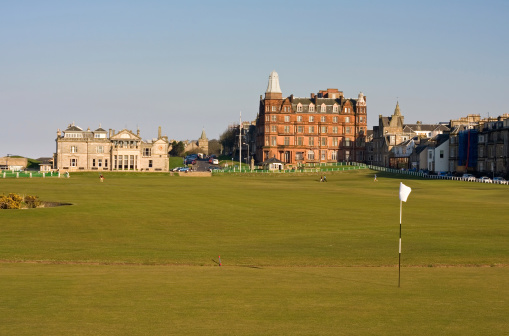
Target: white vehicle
<point>215,161</point>
<point>485,179</point>
<point>468,177</point>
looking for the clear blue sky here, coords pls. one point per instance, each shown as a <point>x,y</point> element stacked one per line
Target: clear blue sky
<point>185,65</point>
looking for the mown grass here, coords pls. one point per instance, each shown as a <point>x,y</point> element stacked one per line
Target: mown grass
<point>137,255</point>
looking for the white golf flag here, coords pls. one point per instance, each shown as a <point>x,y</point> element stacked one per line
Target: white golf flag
<point>404,191</point>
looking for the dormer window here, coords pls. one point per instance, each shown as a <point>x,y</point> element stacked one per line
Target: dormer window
<point>335,108</point>
<point>299,107</point>
<point>311,108</point>
<point>323,108</point>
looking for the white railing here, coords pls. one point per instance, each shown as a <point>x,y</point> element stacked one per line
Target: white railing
<point>435,177</point>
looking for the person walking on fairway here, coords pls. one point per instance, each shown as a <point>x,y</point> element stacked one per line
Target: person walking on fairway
<point>324,178</point>
<point>375,180</point>
<point>101,177</point>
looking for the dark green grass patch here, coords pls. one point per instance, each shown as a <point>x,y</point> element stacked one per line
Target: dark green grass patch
<point>173,300</point>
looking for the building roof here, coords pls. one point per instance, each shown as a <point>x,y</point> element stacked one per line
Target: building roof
<point>45,160</point>
<point>427,127</point>
<point>73,127</point>
<point>273,86</point>
<point>272,160</point>
<point>203,135</point>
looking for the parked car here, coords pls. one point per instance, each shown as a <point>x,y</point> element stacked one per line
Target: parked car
<point>500,180</point>
<point>176,169</point>
<point>468,177</point>
<point>485,179</point>
<point>184,169</point>
<point>212,168</point>
<point>215,161</point>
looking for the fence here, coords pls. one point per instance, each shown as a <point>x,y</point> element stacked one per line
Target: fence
<point>30,174</point>
<point>435,177</point>
<point>307,168</point>
<point>328,167</point>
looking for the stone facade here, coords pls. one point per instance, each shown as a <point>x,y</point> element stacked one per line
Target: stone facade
<point>326,127</point>
<point>100,150</point>
<point>493,147</point>
<point>201,145</point>
<point>392,135</point>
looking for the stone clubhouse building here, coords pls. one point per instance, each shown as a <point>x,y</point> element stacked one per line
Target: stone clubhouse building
<point>101,150</point>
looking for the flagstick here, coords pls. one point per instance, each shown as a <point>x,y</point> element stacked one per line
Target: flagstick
<point>399,267</point>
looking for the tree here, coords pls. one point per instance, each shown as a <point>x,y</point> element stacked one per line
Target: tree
<point>228,138</point>
<point>214,147</point>
<point>177,148</point>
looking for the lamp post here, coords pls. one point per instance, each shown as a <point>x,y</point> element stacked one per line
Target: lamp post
<point>7,161</point>
<point>248,154</point>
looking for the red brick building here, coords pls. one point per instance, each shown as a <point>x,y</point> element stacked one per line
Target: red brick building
<point>326,127</point>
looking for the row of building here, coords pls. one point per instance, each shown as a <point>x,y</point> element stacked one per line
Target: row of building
<point>325,127</point>
<point>471,144</point>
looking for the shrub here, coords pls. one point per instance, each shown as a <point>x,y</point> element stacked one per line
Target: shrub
<point>11,201</point>
<point>15,201</point>
<point>32,201</point>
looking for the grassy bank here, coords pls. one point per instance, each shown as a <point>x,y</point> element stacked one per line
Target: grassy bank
<point>137,254</point>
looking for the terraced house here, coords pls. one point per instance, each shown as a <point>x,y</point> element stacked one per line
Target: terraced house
<point>326,127</point>
<point>101,150</point>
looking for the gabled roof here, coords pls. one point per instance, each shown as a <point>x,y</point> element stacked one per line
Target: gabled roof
<point>427,127</point>
<point>100,129</point>
<point>45,160</point>
<point>125,135</point>
<point>272,160</point>
<point>420,148</point>
<point>441,138</point>
<point>73,128</point>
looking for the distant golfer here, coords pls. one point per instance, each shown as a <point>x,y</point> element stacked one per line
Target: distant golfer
<point>324,178</point>
<point>375,180</point>
<point>101,177</point>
